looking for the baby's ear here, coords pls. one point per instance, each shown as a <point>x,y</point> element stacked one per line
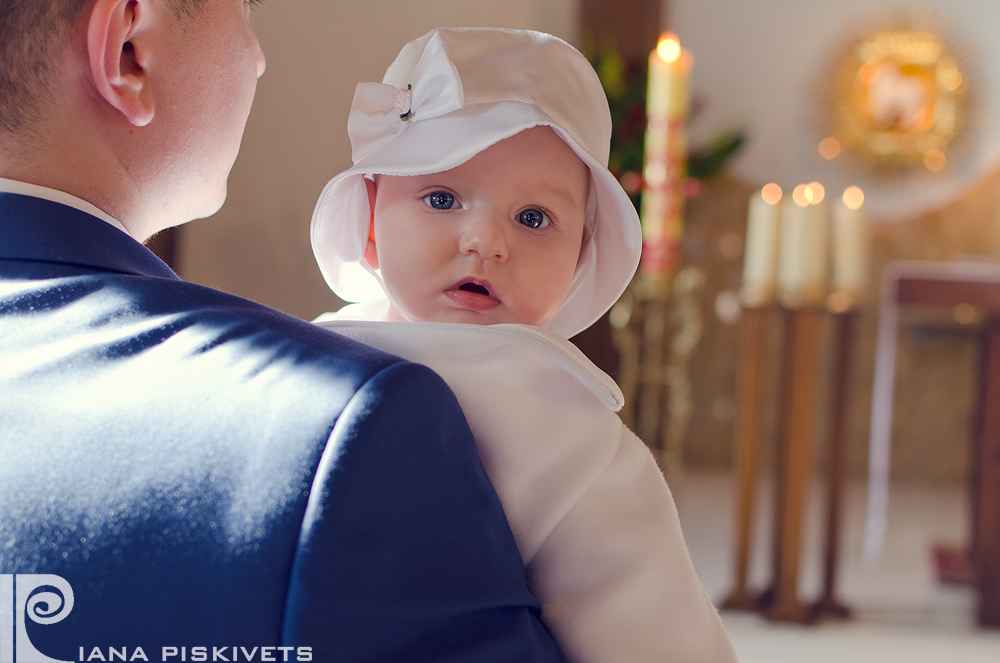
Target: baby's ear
<point>371,252</point>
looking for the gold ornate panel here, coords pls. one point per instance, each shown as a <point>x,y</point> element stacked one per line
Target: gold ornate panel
<point>897,99</point>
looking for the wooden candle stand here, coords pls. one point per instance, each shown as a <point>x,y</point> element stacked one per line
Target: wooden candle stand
<point>803,331</point>
<point>750,404</point>
<point>795,460</point>
<point>845,335</point>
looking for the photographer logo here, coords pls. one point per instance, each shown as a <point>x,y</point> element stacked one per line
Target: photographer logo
<point>42,598</point>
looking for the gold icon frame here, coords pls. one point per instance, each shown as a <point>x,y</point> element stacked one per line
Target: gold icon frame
<point>898,99</point>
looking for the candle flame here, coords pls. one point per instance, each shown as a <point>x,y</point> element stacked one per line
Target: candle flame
<point>854,197</point>
<point>815,193</point>
<point>829,148</point>
<point>669,47</point>
<point>771,193</point>
<point>802,195</point>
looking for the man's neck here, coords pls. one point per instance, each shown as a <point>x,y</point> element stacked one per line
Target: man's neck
<point>58,158</point>
<point>86,165</point>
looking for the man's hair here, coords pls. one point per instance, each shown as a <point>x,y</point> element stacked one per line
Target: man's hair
<point>33,36</point>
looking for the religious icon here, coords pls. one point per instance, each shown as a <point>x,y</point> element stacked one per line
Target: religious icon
<point>897,99</point>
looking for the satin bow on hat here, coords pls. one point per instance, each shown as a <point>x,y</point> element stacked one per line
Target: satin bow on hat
<point>381,112</point>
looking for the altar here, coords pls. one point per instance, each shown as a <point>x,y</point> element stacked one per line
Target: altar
<point>946,285</point>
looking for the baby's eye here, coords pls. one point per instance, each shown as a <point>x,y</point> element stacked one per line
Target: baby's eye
<point>533,218</point>
<point>440,200</point>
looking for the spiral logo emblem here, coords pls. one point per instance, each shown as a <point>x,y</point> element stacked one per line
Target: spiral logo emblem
<point>42,598</point>
<point>50,607</point>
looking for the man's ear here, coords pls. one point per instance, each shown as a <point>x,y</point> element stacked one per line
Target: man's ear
<point>371,252</point>
<point>117,55</point>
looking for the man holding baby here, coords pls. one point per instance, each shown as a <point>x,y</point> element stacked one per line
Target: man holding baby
<point>191,469</point>
<point>188,473</point>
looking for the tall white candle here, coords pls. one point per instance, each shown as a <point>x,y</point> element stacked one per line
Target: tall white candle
<point>792,252</point>
<point>818,248</point>
<point>851,244</point>
<point>668,103</point>
<point>760,257</point>
<point>802,250</point>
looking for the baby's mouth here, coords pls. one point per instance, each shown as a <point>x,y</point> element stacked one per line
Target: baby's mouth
<point>473,294</point>
<point>474,287</point>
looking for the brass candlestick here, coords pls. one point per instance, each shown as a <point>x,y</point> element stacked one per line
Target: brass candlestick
<point>654,378</point>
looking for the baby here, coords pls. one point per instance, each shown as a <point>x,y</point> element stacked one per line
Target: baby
<point>481,221</point>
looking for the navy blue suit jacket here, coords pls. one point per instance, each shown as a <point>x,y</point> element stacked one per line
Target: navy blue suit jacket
<point>164,450</point>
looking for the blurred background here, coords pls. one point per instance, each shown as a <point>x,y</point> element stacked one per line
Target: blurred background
<point>764,82</point>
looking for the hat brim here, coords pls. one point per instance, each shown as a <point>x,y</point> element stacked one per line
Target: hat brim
<point>341,218</point>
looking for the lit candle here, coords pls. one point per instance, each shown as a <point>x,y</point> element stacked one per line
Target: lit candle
<point>792,251</point>
<point>802,263</point>
<point>818,247</point>
<point>662,211</point>
<point>850,244</point>
<point>760,257</point>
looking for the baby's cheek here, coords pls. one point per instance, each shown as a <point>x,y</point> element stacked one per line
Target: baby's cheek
<point>542,305</point>
<point>405,279</point>
<point>556,286</point>
<point>395,285</point>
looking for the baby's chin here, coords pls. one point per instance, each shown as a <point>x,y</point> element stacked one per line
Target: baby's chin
<point>497,316</point>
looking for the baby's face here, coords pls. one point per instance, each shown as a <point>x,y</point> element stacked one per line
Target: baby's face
<point>495,240</point>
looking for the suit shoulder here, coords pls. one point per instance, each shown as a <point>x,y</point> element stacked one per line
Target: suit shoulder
<point>231,318</point>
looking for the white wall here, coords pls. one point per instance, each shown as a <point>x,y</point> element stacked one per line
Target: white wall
<point>759,62</point>
<point>296,139</point>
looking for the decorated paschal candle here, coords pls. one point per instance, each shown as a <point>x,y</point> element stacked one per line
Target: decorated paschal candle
<point>668,103</point>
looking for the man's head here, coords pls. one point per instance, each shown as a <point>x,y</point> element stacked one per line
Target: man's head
<point>30,32</point>
<point>137,106</point>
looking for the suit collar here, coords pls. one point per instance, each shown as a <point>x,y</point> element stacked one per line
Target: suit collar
<point>56,196</point>
<point>43,230</point>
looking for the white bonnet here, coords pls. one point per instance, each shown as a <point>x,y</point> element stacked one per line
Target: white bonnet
<point>450,95</point>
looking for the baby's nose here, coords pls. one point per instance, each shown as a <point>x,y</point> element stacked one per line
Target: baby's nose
<point>486,235</point>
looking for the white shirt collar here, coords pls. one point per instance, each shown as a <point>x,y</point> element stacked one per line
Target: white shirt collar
<point>45,193</point>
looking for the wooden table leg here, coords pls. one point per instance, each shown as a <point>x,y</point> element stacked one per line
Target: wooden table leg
<point>986,486</point>
<point>796,464</point>
<point>766,598</point>
<point>845,331</point>
<point>746,445</point>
